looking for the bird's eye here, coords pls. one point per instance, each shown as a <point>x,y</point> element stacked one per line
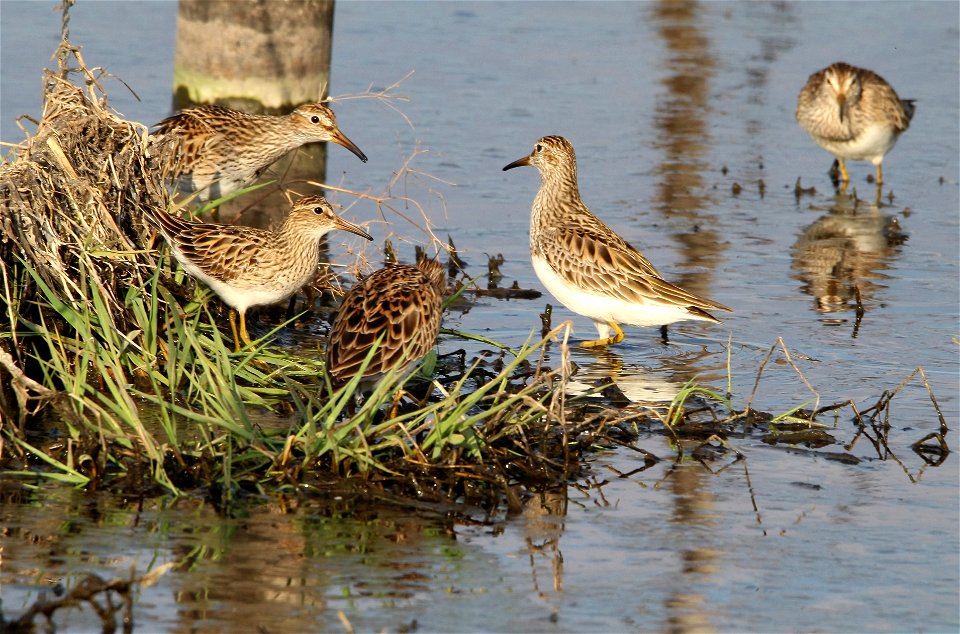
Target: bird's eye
<point>539,148</point>
<point>318,210</point>
<point>314,119</point>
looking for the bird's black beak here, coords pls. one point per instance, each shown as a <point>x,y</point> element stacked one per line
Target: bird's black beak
<point>340,138</point>
<point>518,163</point>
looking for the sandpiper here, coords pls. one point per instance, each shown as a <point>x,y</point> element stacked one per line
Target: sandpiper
<point>588,267</point>
<point>252,267</point>
<point>854,114</point>
<point>398,310</point>
<point>223,150</point>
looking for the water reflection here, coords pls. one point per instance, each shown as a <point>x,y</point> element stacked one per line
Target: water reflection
<point>309,562</point>
<point>52,539</point>
<point>688,611</point>
<point>633,383</point>
<point>684,138</point>
<point>842,257</point>
<point>244,565</point>
<point>543,523</point>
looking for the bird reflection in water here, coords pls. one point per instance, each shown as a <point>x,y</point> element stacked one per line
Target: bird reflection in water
<point>632,383</point>
<point>543,519</point>
<point>842,257</point>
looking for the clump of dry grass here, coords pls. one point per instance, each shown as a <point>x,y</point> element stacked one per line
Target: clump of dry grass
<point>72,198</point>
<point>71,202</point>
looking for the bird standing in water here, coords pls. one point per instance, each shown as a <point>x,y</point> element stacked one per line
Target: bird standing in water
<point>854,114</point>
<point>588,267</point>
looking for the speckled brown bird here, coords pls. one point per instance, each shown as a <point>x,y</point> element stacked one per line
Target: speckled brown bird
<point>251,267</point>
<point>854,114</point>
<point>398,306</point>
<point>223,150</point>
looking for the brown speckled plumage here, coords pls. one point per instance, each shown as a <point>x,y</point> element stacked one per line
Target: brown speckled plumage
<point>250,267</point>
<point>401,304</point>
<point>223,150</point>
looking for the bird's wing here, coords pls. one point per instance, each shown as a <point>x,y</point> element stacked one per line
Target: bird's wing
<point>222,251</point>
<point>402,311</point>
<point>199,135</point>
<point>602,265</point>
<point>885,97</point>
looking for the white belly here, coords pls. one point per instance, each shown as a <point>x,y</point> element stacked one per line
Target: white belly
<point>603,309</point>
<point>870,145</point>
<point>242,296</point>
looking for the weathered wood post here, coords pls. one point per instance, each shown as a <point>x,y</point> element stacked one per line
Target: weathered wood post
<point>258,56</point>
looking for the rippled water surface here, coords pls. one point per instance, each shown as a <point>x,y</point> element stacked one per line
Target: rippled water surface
<point>669,106</point>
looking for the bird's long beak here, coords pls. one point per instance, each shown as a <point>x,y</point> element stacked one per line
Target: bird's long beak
<point>842,104</point>
<point>345,225</point>
<point>520,162</point>
<point>340,138</point>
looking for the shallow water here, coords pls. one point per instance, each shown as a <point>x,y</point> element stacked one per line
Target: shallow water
<point>668,106</point>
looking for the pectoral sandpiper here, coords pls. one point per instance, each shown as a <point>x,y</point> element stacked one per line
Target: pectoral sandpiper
<point>252,267</point>
<point>853,114</point>
<point>398,306</point>
<point>588,267</point>
<point>223,150</point>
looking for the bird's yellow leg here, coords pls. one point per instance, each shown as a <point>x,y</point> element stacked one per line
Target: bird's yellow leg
<point>233,330</point>
<point>397,397</point>
<point>844,175</point>
<point>617,337</point>
<point>244,336</point>
<point>879,173</point>
<point>245,339</point>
